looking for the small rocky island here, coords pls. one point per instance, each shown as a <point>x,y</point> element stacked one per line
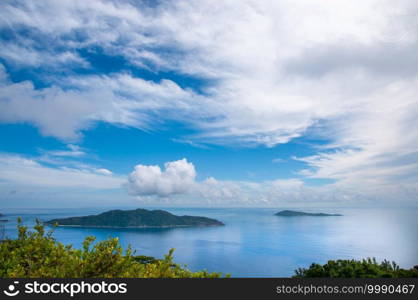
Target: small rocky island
<point>2,220</point>
<point>138,218</point>
<point>292,213</point>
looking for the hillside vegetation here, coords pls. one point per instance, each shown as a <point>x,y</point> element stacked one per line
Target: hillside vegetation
<point>366,268</point>
<point>292,213</point>
<point>135,218</point>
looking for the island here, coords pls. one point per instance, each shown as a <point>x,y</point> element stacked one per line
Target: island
<point>138,218</point>
<point>2,220</point>
<point>292,213</point>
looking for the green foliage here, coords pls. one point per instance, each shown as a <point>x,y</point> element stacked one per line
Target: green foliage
<point>143,259</point>
<point>366,268</point>
<point>38,254</point>
<point>136,218</point>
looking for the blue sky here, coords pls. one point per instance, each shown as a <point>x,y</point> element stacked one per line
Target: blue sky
<point>118,103</point>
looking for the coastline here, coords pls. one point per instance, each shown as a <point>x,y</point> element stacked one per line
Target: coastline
<point>134,227</point>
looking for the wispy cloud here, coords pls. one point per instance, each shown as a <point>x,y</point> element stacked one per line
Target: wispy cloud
<point>73,151</point>
<point>277,72</point>
<point>21,171</point>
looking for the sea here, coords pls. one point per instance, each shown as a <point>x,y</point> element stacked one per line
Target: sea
<point>254,242</point>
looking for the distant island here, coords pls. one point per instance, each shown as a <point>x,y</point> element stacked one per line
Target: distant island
<point>1,215</point>
<point>292,213</point>
<point>138,218</point>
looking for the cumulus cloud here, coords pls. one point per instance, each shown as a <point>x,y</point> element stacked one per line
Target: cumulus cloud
<point>177,182</point>
<point>178,177</point>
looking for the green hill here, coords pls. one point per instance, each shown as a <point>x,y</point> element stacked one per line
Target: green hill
<point>292,213</point>
<point>135,219</point>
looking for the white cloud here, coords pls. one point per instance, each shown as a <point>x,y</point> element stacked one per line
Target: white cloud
<point>21,171</point>
<point>337,70</point>
<point>178,177</point>
<point>74,151</point>
<point>177,184</point>
<point>262,66</point>
<point>104,171</point>
<point>25,57</point>
<point>374,149</point>
<point>118,99</point>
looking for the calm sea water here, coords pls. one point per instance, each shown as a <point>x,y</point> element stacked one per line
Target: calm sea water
<point>254,242</point>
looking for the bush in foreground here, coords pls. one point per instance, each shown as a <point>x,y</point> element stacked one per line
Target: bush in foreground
<point>366,268</point>
<point>38,254</point>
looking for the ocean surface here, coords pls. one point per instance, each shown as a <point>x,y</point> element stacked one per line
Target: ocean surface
<point>254,242</point>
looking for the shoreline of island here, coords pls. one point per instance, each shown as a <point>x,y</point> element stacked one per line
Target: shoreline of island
<point>131,227</point>
<point>293,213</point>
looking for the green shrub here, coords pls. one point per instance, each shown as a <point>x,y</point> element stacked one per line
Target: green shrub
<point>366,268</point>
<point>38,254</point>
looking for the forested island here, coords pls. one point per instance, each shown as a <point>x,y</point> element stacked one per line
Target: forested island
<point>138,218</point>
<point>292,213</point>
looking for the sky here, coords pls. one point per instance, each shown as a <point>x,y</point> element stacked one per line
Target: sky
<point>286,103</point>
